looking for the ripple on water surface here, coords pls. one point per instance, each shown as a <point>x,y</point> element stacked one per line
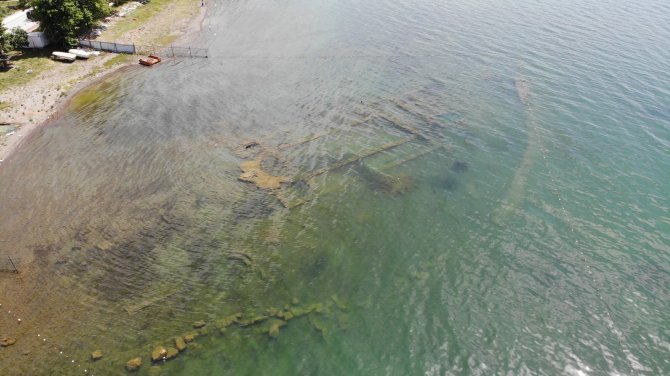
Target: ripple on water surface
<point>468,188</point>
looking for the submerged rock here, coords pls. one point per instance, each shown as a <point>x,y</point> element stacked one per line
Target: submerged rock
<point>449,183</point>
<point>319,308</point>
<point>180,344</point>
<point>459,166</point>
<point>301,311</point>
<point>171,353</point>
<point>319,325</point>
<point>134,364</point>
<point>253,320</point>
<point>96,355</point>
<point>380,181</point>
<point>338,302</point>
<point>7,342</point>
<point>273,331</point>
<point>190,337</point>
<point>253,172</point>
<point>199,324</point>
<point>158,354</point>
<point>228,320</point>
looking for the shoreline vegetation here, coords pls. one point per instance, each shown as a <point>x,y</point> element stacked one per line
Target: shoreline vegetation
<point>37,88</point>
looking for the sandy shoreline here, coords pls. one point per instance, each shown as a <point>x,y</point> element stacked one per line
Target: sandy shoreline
<point>41,100</point>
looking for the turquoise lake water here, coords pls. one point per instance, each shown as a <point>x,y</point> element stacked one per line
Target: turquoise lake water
<point>469,188</point>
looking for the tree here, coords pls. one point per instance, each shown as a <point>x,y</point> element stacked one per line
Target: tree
<point>64,20</point>
<point>18,38</point>
<point>24,4</point>
<point>13,40</point>
<point>3,39</point>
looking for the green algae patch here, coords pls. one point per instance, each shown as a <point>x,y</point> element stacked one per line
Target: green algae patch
<point>228,320</point>
<point>96,95</point>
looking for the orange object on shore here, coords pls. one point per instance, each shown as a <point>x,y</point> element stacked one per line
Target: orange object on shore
<point>151,60</point>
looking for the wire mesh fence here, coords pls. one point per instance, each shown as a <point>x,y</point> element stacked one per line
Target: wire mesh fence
<point>162,51</point>
<point>8,264</point>
<point>172,51</point>
<point>108,46</point>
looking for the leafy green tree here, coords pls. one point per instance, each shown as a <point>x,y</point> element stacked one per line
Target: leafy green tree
<point>18,38</point>
<point>13,40</point>
<point>24,4</point>
<point>64,20</point>
<point>3,39</point>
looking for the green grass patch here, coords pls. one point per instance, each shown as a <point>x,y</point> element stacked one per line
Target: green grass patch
<point>33,61</point>
<point>135,19</point>
<point>5,9</point>
<point>8,7</point>
<point>179,9</point>
<point>118,59</point>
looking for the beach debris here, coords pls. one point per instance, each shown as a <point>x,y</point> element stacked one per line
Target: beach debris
<point>180,344</point>
<point>96,355</point>
<point>6,342</point>
<point>393,130</point>
<point>134,364</point>
<point>250,144</point>
<point>199,324</point>
<point>158,354</point>
<point>240,256</point>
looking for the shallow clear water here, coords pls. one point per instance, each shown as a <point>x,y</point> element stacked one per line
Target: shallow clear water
<point>475,188</point>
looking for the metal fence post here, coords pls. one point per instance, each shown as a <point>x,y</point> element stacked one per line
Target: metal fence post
<point>16,270</point>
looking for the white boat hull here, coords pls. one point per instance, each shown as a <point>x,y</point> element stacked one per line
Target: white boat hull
<point>64,56</point>
<point>80,53</point>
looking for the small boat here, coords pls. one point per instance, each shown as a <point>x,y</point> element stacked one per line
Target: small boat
<point>79,53</point>
<point>64,56</point>
<point>151,60</point>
